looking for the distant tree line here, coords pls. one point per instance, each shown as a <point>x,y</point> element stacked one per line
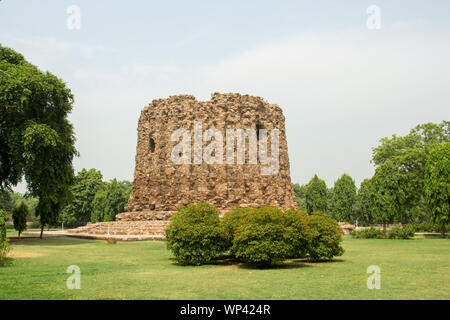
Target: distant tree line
<point>411,183</point>
<point>94,200</point>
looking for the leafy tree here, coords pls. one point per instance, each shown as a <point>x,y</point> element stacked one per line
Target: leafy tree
<point>388,194</point>
<point>19,215</point>
<point>343,198</point>
<point>110,201</point>
<point>30,201</point>
<point>86,184</point>
<point>300,194</point>
<point>127,189</point>
<point>116,201</point>
<point>4,243</point>
<point>437,186</point>
<point>6,201</point>
<point>36,139</point>
<point>408,154</point>
<point>364,203</point>
<point>316,195</point>
<point>126,185</point>
<point>99,205</point>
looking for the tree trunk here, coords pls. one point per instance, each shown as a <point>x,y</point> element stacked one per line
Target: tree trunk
<point>443,232</point>
<point>42,231</point>
<point>384,226</point>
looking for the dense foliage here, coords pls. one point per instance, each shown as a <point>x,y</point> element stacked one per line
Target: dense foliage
<point>86,184</point>
<point>263,237</point>
<point>19,215</point>
<point>195,235</point>
<point>257,236</point>
<point>4,243</point>
<point>298,221</point>
<point>316,195</point>
<point>300,195</point>
<point>399,232</point>
<point>396,232</point>
<point>110,200</point>
<point>387,194</point>
<point>325,237</point>
<point>437,186</point>
<point>36,139</point>
<point>408,154</point>
<point>343,199</point>
<point>410,184</point>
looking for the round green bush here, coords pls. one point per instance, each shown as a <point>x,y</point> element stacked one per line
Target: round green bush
<point>298,220</point>
<point>368,233</point>
<point>195,235</point>
<point>261,236</point>
<point>398,232</point>
<point>325,237</point>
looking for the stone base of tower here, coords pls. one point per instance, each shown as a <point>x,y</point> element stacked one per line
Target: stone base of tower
<point>129,226</point>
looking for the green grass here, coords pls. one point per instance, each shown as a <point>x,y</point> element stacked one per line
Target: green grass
<point>14,233</point>
<point>33,232</point>
<point>410,269</point>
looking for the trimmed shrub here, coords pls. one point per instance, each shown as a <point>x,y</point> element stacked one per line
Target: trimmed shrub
<point>4,243</point>
<point>19,216</point>
<point>195,235</point>
<point>298,220</point>
<point>262,237</point>
<point>398,232</point>
<point>234,218</point>
<point>325,237</point>
<point>369,233</point>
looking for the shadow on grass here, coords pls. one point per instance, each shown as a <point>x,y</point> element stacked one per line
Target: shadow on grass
<point>50,241</point>
<point>6,262</point>
<point>319,261</point>
<point>435,236</point>
<point>276,266</point>
<point>287,264</point>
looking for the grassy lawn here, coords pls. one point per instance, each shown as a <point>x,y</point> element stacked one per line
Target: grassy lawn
<point>410,269</point>
<point>27,233</point>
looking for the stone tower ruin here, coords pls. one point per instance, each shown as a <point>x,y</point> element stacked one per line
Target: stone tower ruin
<point>176,164</point>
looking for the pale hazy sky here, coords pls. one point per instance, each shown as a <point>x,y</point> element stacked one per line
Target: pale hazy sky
<point>342,86</point>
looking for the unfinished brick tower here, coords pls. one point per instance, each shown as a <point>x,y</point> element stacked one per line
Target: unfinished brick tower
<point>229,151</point>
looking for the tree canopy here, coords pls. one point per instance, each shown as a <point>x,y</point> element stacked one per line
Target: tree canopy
<point>300,194</point>
<point>387,193</point>
<point>343,198</point>
<point>86,184</point>
<point>20,215</point>
<point>437,185</point>
<point>364,202</point>
<point>37,141</point>
<point>408,155</point>
<point>316,195</point>
<point>110,201</point>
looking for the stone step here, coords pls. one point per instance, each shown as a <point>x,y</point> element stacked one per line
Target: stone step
<point>144,225</point>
